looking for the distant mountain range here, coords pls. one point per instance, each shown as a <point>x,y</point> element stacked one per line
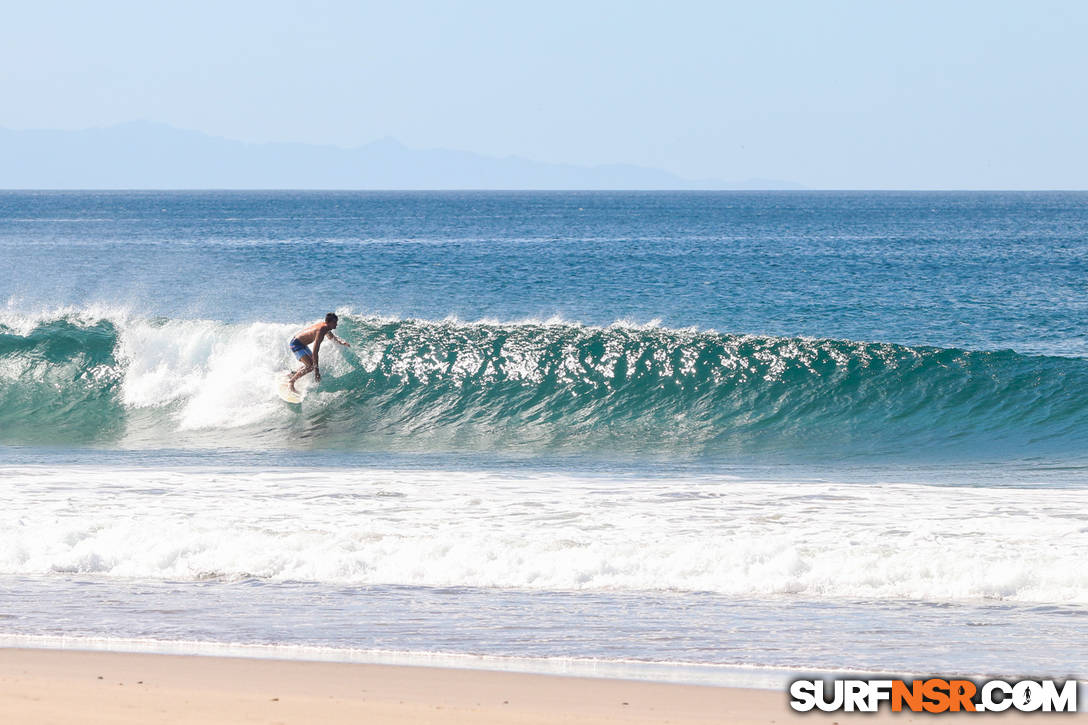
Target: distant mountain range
<point>145,155</point>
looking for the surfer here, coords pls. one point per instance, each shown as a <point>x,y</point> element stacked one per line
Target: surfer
<point>315,333</point>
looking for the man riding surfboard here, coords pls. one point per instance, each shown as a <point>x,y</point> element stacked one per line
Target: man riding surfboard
<point>315,333</point>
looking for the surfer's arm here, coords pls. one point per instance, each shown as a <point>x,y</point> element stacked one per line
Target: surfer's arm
<point>317,346</point>
<point>337,339</point>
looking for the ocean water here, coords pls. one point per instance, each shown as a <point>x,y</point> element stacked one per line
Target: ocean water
<point>683,436</point>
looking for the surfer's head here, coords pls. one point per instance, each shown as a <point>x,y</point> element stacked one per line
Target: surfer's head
<point>331,319</point>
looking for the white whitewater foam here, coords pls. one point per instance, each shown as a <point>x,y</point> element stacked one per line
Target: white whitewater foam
<point>22,322</point>
<point>221,376</point>
<point>211,374</point>
<point>552,532</point>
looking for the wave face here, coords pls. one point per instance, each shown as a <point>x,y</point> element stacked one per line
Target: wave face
<point>104,379</point>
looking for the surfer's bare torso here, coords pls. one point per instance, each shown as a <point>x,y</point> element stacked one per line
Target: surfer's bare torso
<point>316,331</point>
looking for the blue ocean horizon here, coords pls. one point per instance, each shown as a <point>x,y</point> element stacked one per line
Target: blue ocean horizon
<point>719,411</point>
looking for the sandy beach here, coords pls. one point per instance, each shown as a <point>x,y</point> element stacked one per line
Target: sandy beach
<point>53,686</point>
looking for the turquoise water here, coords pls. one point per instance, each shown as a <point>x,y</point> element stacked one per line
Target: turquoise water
<point>542,388</point>
<point>728,325</point>
<point>744,406</point>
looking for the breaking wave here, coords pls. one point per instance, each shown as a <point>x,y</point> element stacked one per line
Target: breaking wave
<point>103,379</point>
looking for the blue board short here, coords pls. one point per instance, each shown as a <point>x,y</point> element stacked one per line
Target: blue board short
<point>298,348</point>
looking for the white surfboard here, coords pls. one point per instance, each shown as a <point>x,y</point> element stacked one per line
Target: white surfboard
<point>288,395</point>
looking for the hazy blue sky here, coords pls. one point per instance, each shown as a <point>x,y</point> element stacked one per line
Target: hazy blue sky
<point>828,94</point>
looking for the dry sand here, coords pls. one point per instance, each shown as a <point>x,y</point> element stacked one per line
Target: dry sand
<point>40,687</point>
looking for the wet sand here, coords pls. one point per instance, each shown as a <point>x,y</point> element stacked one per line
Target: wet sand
<point>62,686</point>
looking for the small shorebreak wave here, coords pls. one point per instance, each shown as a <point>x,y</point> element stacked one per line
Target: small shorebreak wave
<point>82,378</point>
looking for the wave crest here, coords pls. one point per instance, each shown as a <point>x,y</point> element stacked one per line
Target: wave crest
<point>531,386</point>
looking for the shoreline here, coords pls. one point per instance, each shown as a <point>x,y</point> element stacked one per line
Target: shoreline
<point>46,686</point>
<point>667,672</point>
<point>661,672</point>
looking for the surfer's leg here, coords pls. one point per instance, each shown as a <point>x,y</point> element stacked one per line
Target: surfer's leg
<point>307,366</point>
